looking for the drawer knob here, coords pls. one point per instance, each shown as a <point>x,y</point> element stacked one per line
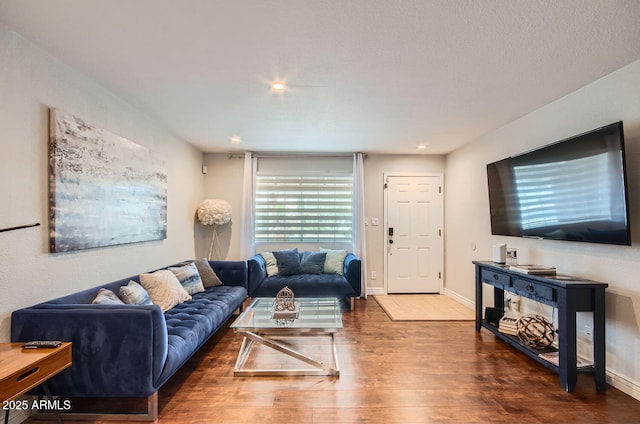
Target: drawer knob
<point>530,288</point>
<point>495,276</point>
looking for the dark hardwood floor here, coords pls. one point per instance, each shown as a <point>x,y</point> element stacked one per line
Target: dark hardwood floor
<point>391,372</point>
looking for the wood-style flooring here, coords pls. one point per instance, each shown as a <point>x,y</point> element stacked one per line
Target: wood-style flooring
<point>391,372</point>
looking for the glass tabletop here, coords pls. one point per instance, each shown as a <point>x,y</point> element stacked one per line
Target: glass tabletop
<point>313,313</point>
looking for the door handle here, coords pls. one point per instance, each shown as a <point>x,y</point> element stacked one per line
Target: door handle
<point>390,231</point>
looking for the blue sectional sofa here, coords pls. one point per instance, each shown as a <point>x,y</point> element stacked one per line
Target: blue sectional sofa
<point>130,350</point>
<point>344,285</point>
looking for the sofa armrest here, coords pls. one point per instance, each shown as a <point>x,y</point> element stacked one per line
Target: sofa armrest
<point>352,272</point>
<point>257,269</point>
<point>231,273</point>
<point>118,350</point>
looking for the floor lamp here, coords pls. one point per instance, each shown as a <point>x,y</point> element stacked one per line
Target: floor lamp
<point>214,212</point>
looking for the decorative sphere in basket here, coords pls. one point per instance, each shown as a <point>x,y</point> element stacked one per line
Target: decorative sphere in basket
<point>535,331</point>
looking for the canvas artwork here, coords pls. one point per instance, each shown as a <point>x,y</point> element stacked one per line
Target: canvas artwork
<point>104,190</point>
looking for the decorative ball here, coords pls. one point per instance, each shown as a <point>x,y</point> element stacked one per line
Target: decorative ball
<point>535,331</point>
<point>214,212</point>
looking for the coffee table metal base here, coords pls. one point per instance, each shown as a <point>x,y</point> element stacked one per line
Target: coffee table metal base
<point>319,368</point>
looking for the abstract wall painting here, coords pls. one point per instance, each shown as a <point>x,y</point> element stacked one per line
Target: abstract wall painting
<point>104,190</point>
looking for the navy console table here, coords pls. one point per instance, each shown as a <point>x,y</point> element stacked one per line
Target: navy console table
<point>569,295</point>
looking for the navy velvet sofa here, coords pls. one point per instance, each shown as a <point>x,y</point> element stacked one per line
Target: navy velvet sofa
<point>129,350</point>
<point>347,285</point>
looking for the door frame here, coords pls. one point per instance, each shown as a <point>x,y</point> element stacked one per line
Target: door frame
<point>385,175</point>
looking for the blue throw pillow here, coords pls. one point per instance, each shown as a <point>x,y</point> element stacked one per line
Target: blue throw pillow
<point>288,262</point>
<point>134,294</point>
<point>313,262</point>
<point>189,277</point>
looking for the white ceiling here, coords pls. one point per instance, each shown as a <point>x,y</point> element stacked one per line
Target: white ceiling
<point>364,75</point>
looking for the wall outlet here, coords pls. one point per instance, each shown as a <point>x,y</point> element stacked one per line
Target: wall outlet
<point>374,275</point>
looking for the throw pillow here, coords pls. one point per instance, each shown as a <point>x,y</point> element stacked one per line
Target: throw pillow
<point>313,262</point>
<point>207,274</point>
<point>134,294</point>
<point>164,289</point>
<point>107,297</point>
<point>288,262</point>
<point>272,264</point>
<point>334,264</point>
<point>189,277</point>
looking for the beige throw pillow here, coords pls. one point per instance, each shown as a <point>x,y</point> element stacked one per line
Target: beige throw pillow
<point>164,289</point>
<point>271,262</point>
<point>334,262</point>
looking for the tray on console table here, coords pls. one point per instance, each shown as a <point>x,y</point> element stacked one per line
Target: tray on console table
<point>569,295</point>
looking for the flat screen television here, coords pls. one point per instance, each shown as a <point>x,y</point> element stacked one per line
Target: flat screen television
<point>574,189</point>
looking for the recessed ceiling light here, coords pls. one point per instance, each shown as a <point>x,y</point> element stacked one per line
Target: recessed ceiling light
<point>278,86</point>
<point>422,146</point>
<point>236,139</point>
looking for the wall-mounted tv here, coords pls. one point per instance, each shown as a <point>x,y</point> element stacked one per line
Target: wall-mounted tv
<point>574,189</point>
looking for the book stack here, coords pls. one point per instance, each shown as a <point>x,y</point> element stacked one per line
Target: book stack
<point>508,325</point>
<point>534,269</point>
<point>553,358</point>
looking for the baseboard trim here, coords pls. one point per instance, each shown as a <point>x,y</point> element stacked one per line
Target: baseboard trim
<point>460,299</point>
<point>376,291</point>
<point>624,384</point>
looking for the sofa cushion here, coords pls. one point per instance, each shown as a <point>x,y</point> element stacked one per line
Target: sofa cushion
<point>334,264</point>
<point>189,277</point>
<point>288,262</point>
<point>164,289</point>
<point>306,285</point>
<point>107,297</point>
<point>313,262</point>
<point>134,294</point>
<point>207,274</point>
<point>190,324</point>
<point>271,263</point>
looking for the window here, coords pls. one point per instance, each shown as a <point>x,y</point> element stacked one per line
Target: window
<point>303,208</point>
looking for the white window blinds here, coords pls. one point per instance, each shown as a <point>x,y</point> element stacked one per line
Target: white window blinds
<point>303,208</point>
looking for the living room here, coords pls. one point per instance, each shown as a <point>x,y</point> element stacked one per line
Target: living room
<point>34,79</point>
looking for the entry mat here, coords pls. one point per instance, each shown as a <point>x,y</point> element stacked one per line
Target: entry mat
<point>424,307</point>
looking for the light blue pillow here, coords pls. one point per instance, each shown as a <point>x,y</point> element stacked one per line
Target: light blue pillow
<point>107,297</point>
<point>134,294</point>
<point>334,263</point>
<point>313,262</point>
<point>189,277</point>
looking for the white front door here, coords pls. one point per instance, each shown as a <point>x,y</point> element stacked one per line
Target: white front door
<point>413,234</point>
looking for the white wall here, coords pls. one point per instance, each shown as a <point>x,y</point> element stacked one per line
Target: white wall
<point>31,81</point>
<point>610,99</point>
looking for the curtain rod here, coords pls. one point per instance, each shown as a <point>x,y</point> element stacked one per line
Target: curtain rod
<point>293,155</point>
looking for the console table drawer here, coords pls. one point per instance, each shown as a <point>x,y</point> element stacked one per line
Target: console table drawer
<point>538,291</point>
<point>496,278</point>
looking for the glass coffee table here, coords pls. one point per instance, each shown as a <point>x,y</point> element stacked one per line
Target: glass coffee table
<point>315,317</point>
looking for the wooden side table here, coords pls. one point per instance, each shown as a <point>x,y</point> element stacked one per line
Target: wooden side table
<point>24,369</point>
